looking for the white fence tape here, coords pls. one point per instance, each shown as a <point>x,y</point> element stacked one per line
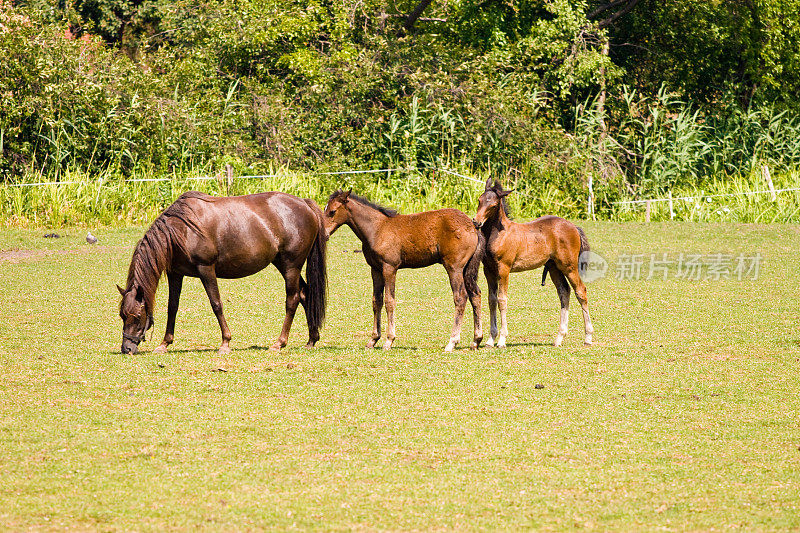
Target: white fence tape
<point>700,196</point>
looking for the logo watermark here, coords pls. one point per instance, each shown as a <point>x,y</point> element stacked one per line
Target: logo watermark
<point>662,266</point>
<point>591,266</point>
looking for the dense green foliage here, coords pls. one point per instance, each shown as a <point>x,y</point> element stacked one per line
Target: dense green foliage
<point>527,90</point>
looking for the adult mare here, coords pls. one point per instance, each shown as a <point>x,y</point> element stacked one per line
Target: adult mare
<point>210,237</point>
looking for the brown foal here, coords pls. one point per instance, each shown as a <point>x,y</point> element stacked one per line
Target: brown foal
<point>392,241</point>
<point>512,247</point>
<point>208,237</point>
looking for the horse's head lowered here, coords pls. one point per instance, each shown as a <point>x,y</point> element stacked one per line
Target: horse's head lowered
<point>136,318</point>
<point>491,202</point>
<point>336,212</point>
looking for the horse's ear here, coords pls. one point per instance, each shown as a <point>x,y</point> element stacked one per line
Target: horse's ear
<point>503,194</point>
<point>488,184</point>
<point>346,195</point>
<point>121,290</point>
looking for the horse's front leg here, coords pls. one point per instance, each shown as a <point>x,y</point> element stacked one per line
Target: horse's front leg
<point>389,276</point>
<point>377,305</point>
<point>208,276</point>
<point>491,280</point>
<point>502,303</point>
<point>291,277</point>
<point>175,284</point>
<point>460,301</point>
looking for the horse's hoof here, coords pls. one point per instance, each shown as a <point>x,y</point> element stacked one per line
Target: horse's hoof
<point>161,348</point>
<point>501,343</point>
<point>558,341</point>
<point>449,348</point>
<point>310,345</point>
<point>490,343</point>
<point>224,350</point>
<point>275,347</point>
<point>587,342</point>
<point>387,345</point>
<point>371,344</point>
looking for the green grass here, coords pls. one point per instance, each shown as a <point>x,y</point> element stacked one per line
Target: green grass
<point>683,416</point>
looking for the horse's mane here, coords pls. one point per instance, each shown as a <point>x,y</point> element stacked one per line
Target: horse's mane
<point>385,210</point>
<point>153,252</point>
<point>497,189</point>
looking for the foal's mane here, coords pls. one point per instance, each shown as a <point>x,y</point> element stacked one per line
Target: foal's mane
<point>360,199</point>
<point>497,189</point>
<point>153,253</point>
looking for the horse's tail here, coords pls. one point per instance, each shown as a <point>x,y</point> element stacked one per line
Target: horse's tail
<point>584,240</point>
<point>473,265</point>
<point>317,274</point>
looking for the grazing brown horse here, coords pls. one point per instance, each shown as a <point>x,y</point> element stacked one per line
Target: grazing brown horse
<point>512,247</point>
<point>208,237</point>
<point>392,241</point>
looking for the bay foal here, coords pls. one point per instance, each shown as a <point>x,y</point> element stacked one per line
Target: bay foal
<point>551,241</point>
<point>392,241</point>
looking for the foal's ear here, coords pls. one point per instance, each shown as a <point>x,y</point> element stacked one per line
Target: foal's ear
<point>488,184</point>
<point>346,195</point>
<point>503,194</point>
<point>121,290</point>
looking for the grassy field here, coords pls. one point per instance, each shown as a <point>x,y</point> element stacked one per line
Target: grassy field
<point>685,414</point>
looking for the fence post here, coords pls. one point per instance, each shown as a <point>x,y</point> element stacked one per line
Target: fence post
<point>590,199</point>
<point>768,179</point>
<point>229,174</point>
<point>671,210</point>
<point>647,211</point>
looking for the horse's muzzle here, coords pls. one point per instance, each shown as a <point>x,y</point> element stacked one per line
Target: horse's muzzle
<point>478,225</point>
<point>128,348</point>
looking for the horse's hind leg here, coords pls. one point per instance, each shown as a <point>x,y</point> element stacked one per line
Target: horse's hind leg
<point>291,278</point>
<point>377,305</point>
<point>562,287</point>
<point>209,278</point>
<point>460,301</point>
<point>475,300</point>
<point>580,291</point>
<point>313,330</point>
<point>175,284</point>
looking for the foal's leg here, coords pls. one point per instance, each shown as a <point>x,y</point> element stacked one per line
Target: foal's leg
<point>491,279</point>
<point>175,283</point>
<point>475,301</point>
<point>460,301</point>
<point>377,305</point>
<point>580,291</point>
<point>562,287</point>
<point>291,278</point>
<point>313,332</point>
<point>389,276</point>
<point>502,303</point>
<point>209,278</point>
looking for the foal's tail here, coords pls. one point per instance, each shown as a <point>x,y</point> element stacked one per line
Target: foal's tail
<point>317,274</point>
<point>584,248</point>
<point>473,265</point>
